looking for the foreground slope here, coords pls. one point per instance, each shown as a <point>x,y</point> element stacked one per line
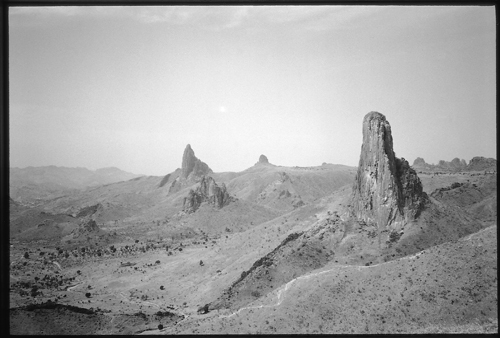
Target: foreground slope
<point>448,288</point>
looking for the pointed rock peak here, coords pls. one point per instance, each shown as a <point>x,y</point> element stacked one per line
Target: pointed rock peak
<point>192,165</point>
<point>386,190</point>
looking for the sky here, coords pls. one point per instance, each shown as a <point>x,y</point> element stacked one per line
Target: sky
<point>130,87</point>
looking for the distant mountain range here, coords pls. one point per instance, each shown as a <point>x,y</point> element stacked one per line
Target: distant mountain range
<point>477,163</point>
<point>31,183</point>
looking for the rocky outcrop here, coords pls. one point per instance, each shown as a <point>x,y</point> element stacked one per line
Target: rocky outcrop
<point>164,180</point>
<point>458,163</point>
<point>482,163</point>
<point>455,165</point>
<point>263,159</point>
<point>193,166</point>
<point>386,190</point>
<point>89,210</point>
<point>207,191</point>
<point>419,162</point>
<point>478,163</point>
<point>87,224</point>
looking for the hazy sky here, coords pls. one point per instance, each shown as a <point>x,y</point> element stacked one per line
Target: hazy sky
<point>131,86</point>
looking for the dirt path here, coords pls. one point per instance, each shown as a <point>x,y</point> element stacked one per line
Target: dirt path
<point>280,293</point>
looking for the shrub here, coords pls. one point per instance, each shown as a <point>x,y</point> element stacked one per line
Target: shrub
<point>394,236</point>
<point>87,295</point>
<point>160,327</point>
<point>26,255</point>
<point>157,262</point>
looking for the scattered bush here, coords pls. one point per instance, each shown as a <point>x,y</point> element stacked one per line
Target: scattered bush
<point>87,295</point>
<point>26,255</point>
<point>160,327</point>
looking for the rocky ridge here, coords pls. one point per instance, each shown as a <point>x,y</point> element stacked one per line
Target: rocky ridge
<point>386,190</point>
<point>477,163</point>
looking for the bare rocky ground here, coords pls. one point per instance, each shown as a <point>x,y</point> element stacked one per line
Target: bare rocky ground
<point>283,256</point>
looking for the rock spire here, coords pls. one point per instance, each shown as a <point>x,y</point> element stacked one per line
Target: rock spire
<point>386,190</point>
<point>191,165</point>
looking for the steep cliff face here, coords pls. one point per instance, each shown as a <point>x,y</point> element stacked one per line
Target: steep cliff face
<point>208,191</point>
<point>386,190</point>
